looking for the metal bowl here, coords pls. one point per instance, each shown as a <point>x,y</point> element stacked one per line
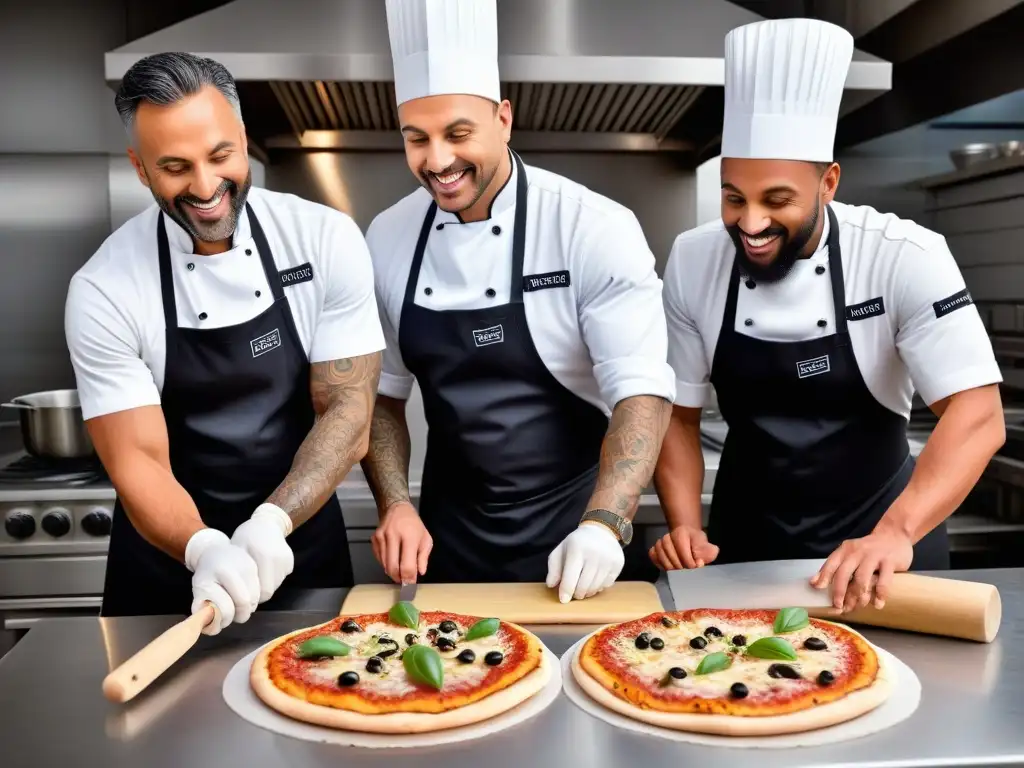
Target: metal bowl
<point>51,424</point>
<point>971,154</point>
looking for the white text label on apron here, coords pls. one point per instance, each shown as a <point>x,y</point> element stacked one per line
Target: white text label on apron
<point>487,336</point>
<point>265,343</point>
<point>813,367</point>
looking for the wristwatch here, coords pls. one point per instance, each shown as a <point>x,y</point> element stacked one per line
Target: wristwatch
<point>621,527</point>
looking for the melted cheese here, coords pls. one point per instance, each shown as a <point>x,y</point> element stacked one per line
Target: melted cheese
<point>652,666</point>
<point>392,680</point>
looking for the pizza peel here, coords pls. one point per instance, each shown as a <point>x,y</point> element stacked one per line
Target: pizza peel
<point>769,584</point>
<point>134,675</point>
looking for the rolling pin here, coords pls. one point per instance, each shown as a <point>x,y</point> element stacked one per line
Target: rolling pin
<point>935,606</point>
<point>135,674</point>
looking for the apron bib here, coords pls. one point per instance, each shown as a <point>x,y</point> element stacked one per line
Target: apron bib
<point>811,458</point>
<point>235,420</point>
<point>512,455</point>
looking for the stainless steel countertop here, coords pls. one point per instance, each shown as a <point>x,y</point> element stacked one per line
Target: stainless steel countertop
<point>53,712</point>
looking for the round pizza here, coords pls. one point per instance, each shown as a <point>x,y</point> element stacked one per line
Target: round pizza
<point>733,672</point>
<point>400,672</point>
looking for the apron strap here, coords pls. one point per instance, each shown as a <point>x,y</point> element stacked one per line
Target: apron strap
<point>417,256</point>
<point>835,269</point>
<point>163,250</point>
<point>518,233</point>
<point>729,316</point>
<point>266,257</point>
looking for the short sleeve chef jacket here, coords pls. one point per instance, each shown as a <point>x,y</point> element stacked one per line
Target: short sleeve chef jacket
<point>114,321</point>
<point>596,320</point>
<point>911,321</point>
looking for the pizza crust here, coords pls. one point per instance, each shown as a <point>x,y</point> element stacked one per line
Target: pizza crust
<point>849,707</point>
<point>394,722</point>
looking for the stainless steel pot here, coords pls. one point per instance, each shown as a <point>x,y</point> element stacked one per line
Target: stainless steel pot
<point>51,424</point>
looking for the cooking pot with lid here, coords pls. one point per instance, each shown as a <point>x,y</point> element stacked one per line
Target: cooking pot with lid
<point>51,424</point>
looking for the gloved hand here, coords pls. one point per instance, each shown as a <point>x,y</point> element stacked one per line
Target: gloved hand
<point>224,575</point>
<point>586,562</point>
<point>262,536</point>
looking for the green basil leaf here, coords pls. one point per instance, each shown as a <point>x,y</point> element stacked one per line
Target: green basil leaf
<point>423,664</point>
<point>323,646</point>
<point>790,620</point>
<point>714,662</point>
<point>405,614</point>
<point>774,648</point>
<point>483,628</point>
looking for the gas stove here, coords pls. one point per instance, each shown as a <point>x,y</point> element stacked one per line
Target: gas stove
<point>56,519</point>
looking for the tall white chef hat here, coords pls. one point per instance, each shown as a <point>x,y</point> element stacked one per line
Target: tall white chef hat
<point>784,80</point>
<point>444,47</point>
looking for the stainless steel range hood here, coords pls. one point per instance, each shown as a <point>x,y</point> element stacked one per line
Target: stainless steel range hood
<point>579,72</point>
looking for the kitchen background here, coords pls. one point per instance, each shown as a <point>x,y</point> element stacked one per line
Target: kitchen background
<point>929,78</point>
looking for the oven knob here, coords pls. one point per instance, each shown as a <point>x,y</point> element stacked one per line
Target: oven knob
<point>97,523</point>
<point>19,524</point>
<point>57,523</point>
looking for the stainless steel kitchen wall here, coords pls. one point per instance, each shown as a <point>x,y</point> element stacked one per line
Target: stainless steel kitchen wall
<point>663,197</point>
<point>57,128</point>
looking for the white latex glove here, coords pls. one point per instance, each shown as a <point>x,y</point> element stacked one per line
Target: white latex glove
<point>588,561</point>
<point>224,575</point>
<point>262,536</point>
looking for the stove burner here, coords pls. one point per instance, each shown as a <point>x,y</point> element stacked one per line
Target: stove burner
<point>31,469</point>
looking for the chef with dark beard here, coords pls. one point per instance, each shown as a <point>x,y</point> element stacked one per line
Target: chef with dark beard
<point>815,322</point>
<point>227,347</point>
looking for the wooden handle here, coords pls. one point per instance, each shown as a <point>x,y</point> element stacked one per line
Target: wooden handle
<point>936,606</point>
<point>135,675</point>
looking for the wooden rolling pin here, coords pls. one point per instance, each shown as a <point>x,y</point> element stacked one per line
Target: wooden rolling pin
<point>936,606</point>
<point>135,674</point>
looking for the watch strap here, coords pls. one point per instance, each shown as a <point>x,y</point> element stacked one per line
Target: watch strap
<point>620,526</point>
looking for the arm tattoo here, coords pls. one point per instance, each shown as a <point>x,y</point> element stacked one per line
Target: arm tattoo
<point>629,453</point>
<point>386,465</point>
<point>343,395</point>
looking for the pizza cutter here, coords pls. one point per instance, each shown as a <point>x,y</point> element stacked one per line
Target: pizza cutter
<point>134,675</point>
<point>769,584</point>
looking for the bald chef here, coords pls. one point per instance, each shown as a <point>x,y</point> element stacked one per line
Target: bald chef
<point>227,345</point>
<point>815,322</point>
<point>527,309</point>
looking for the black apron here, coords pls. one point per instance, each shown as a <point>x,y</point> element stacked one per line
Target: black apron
<point>811,458</point>
<point>512,455</point>
<point>237,405</point>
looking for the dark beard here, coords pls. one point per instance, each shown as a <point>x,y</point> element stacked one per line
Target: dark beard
<point>213,231</point>
<point>483,180</point>
<point>790,249</point>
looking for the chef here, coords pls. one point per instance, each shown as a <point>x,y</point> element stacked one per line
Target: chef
<point>226,344</point>
<point>815,322</point>
<point>528,310</point>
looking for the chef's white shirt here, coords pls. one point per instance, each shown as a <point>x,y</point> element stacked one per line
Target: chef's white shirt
<point>600,330</point>
<point>929,336</point>
<point>114,317</point>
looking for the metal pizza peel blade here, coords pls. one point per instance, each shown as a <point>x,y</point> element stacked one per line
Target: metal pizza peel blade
<point>769,584</point>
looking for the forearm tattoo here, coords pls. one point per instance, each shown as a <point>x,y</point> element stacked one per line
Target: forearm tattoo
<point>629,453</point>
<point>343,392</point>
<point>386,465</point>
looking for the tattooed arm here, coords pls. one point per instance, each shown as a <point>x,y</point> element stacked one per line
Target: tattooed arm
<point>343,396</point>
<point>386,465</point>
<point>629,453</point>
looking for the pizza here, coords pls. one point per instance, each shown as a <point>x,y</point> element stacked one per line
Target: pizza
<point>400,672</point>
<point>733,672</point>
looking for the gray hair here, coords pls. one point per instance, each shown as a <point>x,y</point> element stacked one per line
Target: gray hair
<point>167,78</point>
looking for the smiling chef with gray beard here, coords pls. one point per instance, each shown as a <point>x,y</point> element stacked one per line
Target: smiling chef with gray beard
<point>226,345</point>
<point>815,321</point>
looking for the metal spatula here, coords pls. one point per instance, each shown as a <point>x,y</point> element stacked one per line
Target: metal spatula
<point>771,584</point>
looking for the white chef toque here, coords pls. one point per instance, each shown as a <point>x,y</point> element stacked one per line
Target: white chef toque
<point>444,47</point>
<point>784,80</point>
